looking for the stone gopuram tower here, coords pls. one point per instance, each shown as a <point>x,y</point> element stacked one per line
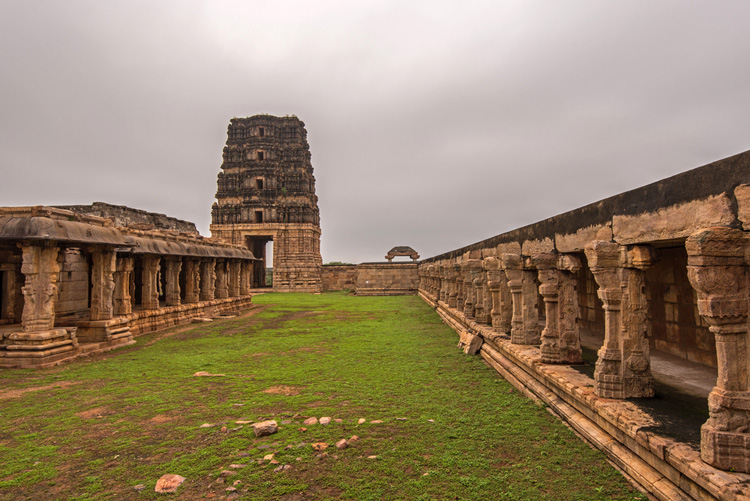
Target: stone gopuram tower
<point>266,192</point>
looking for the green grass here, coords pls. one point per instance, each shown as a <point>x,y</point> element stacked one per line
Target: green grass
<point>129,417</point>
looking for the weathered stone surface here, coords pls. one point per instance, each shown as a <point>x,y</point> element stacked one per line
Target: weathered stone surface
<point>319,446</point>
<point>575,242</point>
<point>310,421</point>
<point>675,222</point>
<point>265,428</point>
<point>470,343</point>
<point>531,247</point>
<point>168,483</point>
<point>325,420</point>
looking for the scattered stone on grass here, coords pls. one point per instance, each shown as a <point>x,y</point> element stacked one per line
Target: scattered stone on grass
<point>238,405</point>
<point>303,430</point>
<point>286,421</point>
<point>265,428</point>
<point>268,457</point>
<point>301,445</point>
<point>237,482</point>
<point>264,446</point>
<point>168,483</point>
<point>325,420</point>
<point>320,446</point>
<point>243,455</point>
<point>376,421</point>
<point>139,487</point>
<point>354,438</point>
<point>288,447</point>
<point>243,422</point>
<point>361,420</point>
<point>282,467</point>
<point>207,374</point>
<point>342,444</point>
<point>274,461</point>
<point>338,420</point>
<point>298,459</point>
<point>227,473</point>
<point>237,428</point>
<point>230,489</point>
<point>235,466</point>
<point>400,419</point>
<point>223,429</point>
<point>430,420</point>
<point>310,421</point>
<point>207,425</point>
<point>372,457</point>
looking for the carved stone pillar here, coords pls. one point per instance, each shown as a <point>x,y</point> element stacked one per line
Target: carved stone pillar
<point>460,289</point>
<point>444,283</point>
<point>222,285</point>
<point>246,278</point>
<point>150,282</point>
<point>450,271</point>
<point>192,281</point>
<point>102,283</point>
<point>233,278</point>
<point>40,269</point>
<point>481,312</point>
<point>501,311</point>
<point>717,270</point>
<point>623,365</point>
<point>208,279</point>
<point>560,341</point>
<point>523,289</point>
<point>122,298</point>
<point>470,269</point>
<point>39,344</point>
<point>173,266</point>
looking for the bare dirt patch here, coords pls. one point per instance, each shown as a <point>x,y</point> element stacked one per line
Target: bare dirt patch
<point>161,418</point>
<point>283,390</point>
<point>20,392</point>
<point>93,413</point>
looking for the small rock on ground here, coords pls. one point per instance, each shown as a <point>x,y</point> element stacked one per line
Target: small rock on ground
<point>325,420</point>
<point>207,374</point>
<point>168,483</point>
<point>361,420</point>
<point>139,487</point>
<point>342,444</point>
<point>353,439</point>
<point>265,428</point>
<point>376,421</point>
<point>310,421</point>
<point>320,446</point>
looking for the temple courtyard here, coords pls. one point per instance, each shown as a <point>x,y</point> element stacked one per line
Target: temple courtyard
<point>411,416</point>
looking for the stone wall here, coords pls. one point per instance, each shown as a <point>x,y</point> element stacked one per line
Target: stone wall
<point>387,279</point>
<point>339,277</point>
<point>128,217</point>
<point>73,287</point>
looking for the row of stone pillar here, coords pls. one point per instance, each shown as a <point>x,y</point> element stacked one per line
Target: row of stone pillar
<point>112,283</point>
<point>718,260</point>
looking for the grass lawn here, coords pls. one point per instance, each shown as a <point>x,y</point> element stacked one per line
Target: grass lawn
<point>95,428</point>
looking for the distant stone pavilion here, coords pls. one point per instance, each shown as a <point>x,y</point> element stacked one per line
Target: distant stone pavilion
<point>266,192</point>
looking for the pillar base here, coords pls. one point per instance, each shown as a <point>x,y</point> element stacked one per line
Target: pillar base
<point>114,331</point>
<point>40,349</point>
<point>614,386</point>
<point>725,450</point>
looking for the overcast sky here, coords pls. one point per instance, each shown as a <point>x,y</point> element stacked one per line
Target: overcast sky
<point>432,124</point>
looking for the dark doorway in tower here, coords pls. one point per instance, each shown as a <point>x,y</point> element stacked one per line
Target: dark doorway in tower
<point>262,270</point>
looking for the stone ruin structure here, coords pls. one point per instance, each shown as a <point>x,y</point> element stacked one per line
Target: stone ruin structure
<point>402,251</point>
<point>653,278</point>
<point>73,283</point>
<point>266,192</point>
<point>375,279</point>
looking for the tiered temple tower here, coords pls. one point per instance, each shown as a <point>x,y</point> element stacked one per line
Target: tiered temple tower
<point>266,192</point>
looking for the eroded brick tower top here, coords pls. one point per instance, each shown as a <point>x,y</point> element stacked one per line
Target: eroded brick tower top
<point>266,191</point>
